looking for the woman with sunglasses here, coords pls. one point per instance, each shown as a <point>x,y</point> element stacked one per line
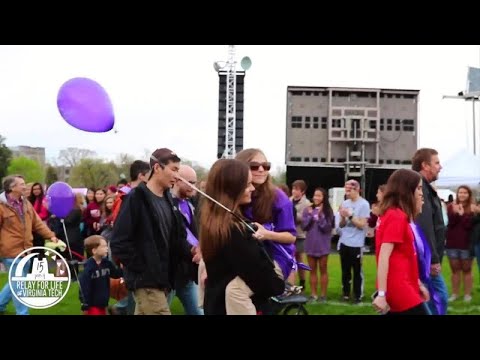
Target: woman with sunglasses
<point>271,210</point>
<point>240,273</point>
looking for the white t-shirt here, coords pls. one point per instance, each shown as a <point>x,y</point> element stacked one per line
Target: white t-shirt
<point>350,235</point>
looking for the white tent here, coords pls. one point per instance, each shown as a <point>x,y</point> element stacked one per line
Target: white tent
<point>445,193</point>
<point>462,169</point>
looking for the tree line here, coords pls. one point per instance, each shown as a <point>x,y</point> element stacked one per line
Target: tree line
<point>85,168</point>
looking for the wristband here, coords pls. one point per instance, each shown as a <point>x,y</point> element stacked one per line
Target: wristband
<point>381,293</point>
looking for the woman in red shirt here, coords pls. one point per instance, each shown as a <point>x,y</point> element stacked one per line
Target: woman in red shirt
<point>39,202</point>
<point>400,290</point>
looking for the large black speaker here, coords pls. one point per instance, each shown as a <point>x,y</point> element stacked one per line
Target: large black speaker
<point>222,112</point>
<point>373,179</point>
<point>328,177</point>
<point>325,177</point>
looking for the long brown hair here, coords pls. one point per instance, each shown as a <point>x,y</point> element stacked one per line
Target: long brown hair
<point>400,192</point>
<point>226,183</point>
<point>32,197</point>
<point>264,195</point>
<point>468,203</point>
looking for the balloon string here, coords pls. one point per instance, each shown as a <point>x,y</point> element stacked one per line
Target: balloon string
<point>71,257</point>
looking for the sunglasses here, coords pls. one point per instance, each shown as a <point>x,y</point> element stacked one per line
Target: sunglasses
<point>254,166</point>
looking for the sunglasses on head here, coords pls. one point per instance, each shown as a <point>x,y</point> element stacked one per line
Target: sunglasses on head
<point>254,166</point>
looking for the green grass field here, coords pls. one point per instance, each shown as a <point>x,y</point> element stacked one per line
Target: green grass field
<point>70,305</point>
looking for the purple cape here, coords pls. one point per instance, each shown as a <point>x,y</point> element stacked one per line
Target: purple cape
<point>424,257</point>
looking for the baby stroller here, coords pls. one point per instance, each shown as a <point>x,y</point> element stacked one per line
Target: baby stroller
<point>291,302</point>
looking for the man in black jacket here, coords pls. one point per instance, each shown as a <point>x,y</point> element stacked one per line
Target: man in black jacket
<point>149,237</point>
<point>426,162</point>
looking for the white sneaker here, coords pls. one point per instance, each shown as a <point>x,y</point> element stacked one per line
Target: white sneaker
<point>467,298</point>
<point>453,297</point>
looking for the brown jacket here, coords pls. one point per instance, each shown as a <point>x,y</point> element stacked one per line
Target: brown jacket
<point>15,234</point>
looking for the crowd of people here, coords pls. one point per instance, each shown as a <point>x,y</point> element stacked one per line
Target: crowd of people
<point>229,252</point>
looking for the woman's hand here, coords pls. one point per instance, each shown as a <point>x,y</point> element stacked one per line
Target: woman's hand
<point>262,233</point>
<point>424,292</point>
<point>456,208</point>
<point>197,255</point>
<point>380,305</point>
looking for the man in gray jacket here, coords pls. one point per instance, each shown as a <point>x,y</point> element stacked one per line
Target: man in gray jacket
<point>426,162</point>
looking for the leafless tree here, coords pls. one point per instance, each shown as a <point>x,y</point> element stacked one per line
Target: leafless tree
<point>72,156</point>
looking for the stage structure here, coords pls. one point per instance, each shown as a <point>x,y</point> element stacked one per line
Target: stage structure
<point>230,104</point>
<point>334,134</point>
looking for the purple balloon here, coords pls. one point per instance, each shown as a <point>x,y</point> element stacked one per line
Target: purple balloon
<point>60,198</point>
<point>85,105</point>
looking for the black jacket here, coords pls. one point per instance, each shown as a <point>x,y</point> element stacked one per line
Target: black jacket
<point>150,260</point>
<point>94,287</point>
<point>72,224</point>
<point>431,222</point>
<point>242,256</point>
<point>475,232</point>
<point>187,270</point>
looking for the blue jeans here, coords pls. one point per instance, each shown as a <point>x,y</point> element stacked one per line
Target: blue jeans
<point>6,293</point>
<point>188,296</point>
<point>427,308</point>
<point>440,288</point>
<point>126,305</point>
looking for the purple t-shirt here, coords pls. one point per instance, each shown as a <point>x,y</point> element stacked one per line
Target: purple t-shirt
<point>186,211</point>
<point>282,220</point>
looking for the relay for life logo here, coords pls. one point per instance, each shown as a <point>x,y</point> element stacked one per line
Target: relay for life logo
<point>45,283</point>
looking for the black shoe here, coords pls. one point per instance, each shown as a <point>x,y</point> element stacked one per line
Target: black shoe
<point>113,310</point>
<point>358,301</point>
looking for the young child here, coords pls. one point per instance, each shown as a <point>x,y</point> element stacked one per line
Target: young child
<point>95,278</point>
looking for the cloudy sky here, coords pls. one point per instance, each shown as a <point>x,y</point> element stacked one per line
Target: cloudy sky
<point>167,96</point>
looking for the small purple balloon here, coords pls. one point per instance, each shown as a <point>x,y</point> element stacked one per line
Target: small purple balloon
<point>60,198</point>
<point>85,105</point>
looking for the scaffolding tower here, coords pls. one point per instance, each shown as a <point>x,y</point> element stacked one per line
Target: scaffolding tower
<point>229,152</point>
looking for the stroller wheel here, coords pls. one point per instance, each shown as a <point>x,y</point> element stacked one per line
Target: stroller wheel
<point>295,309</point>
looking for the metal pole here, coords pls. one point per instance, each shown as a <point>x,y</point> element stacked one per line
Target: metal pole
<point>474,130</point>
<point>230,110</point>
<point>248,225</point>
